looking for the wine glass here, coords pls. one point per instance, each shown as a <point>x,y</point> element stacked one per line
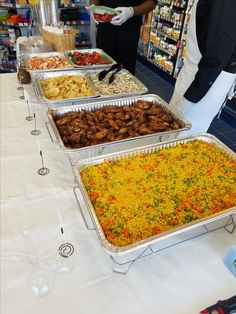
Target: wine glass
<point>41,278</point>
<point>19,63</point>
<point>64,259</point>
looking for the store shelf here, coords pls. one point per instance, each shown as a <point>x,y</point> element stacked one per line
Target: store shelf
<point>166,35</point>
<point>168,18</point>
<point>163,49</point>
<point>7,70</point>
<point>16,6</point>
<point>72,5</point>
<point>22,24</point>
<point>4,45</point>
<point>12,31</point>
<point>83,44</point>
<point>77,22</point>
<point>171,3</point>
<point>153,62</point>
<point>159,66</point>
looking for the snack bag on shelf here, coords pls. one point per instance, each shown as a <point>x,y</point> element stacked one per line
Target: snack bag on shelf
<point>21,2</point>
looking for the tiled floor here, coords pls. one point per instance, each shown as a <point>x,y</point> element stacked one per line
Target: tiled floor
<point>156,85</point>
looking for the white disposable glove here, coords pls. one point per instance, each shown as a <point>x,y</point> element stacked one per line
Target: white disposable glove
<point>124,13</point>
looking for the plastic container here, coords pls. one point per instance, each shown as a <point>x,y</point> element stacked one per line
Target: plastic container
<point>102,13</point>
<point>230,260</point>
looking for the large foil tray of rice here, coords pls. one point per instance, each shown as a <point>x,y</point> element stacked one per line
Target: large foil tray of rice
<point>140,196</point>
<point>105,126</point>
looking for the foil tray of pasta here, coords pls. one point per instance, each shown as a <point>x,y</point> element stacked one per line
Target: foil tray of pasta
<point>141,196</point>
<point>104,126</point>
<point>125,84</point>
<point>41,62</point>
<point>59,87</point>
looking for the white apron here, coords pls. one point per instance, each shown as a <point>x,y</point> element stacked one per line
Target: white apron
<point>200,114</point>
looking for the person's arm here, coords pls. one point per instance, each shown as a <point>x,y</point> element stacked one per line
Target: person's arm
<point>126,13</point>
<point>220,44</point>
<point>144,8</point>
<point>95,2</point>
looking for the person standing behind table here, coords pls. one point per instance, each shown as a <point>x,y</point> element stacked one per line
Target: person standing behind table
<point>209,70</point>
<point>120,37</point>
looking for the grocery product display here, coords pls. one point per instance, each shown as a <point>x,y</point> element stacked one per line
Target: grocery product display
<point>162,40</point>
<point>14,20</point>
<point>74,13</point>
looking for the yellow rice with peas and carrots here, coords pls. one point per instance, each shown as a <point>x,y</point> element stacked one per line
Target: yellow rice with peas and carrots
<point>141,196</point>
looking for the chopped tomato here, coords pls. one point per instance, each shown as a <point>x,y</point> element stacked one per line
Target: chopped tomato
<point>111,199</point>
<point>100,211</point>
<point>157,230</point>
<point>88,58</point>
<point>125,232</point>
<point>93,196</point>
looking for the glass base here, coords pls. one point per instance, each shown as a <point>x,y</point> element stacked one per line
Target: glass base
<point>35,132</point>
<point>66,249</point>
<point>43,171</point>
<point>29,118</point>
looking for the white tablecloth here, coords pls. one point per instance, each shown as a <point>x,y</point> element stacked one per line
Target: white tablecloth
<point>183,279</point>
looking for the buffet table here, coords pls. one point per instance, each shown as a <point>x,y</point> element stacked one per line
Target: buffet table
<point>185,278</point>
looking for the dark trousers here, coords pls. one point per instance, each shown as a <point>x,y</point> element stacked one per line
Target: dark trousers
<point>120,42</point>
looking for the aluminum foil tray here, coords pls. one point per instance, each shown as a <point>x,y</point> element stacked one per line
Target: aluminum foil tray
<point>142,88</point>
<point>118,250</point>
<point>46,75</point>
<point>105,148</point>
<point>92,66</point>
<point>27,57</point>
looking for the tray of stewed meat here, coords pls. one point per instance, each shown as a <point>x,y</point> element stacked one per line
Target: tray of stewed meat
<point>121,121</point>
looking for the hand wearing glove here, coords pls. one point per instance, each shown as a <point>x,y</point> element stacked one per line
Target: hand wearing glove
<point>124,13</point>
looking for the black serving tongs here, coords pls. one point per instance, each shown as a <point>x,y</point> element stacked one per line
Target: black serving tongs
<point>104,73</point>
<point>112,77</point>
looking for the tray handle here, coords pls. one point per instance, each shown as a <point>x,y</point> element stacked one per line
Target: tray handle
<point>36,91</point>
<point>47,124</point>
<point>75,190</point>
